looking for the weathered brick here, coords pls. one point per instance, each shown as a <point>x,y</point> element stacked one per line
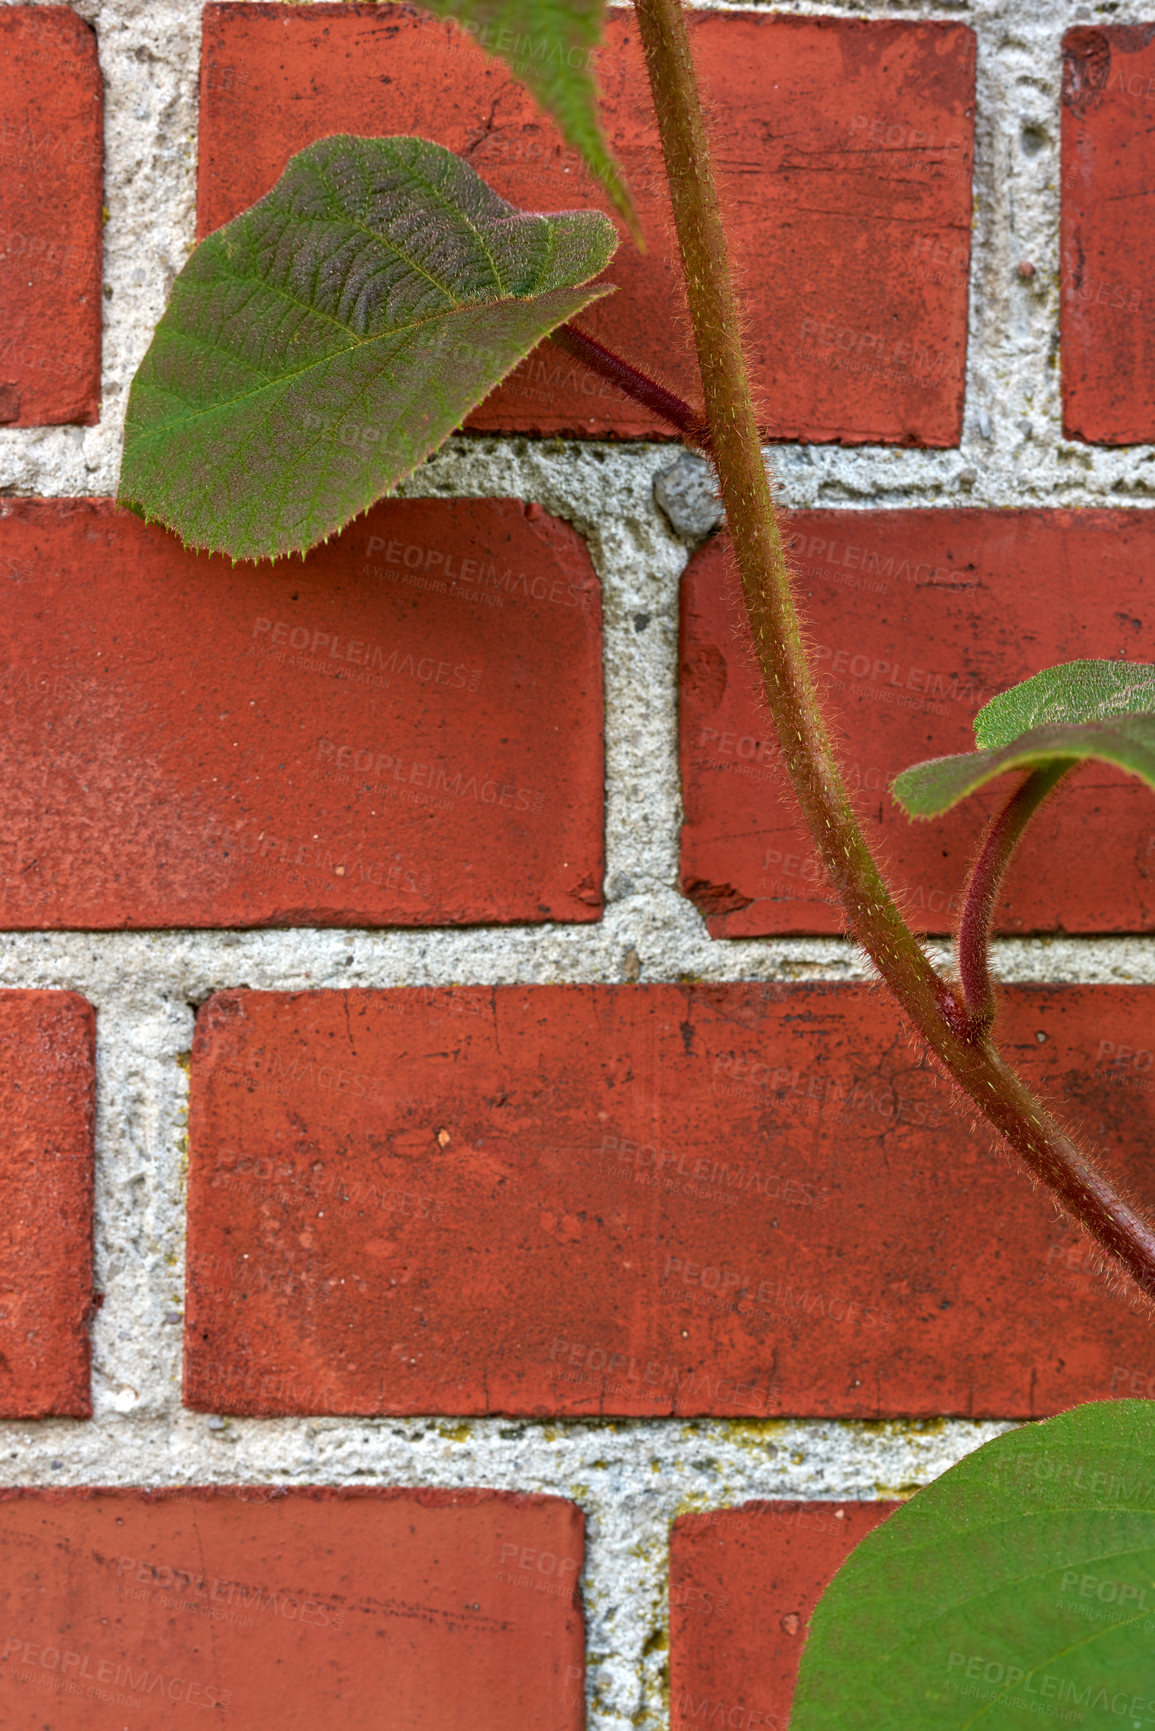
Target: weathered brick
<point>917,618</point>
<point>282,1610</point>
<point>47,1087</point>
<point>51,143</point>
<point>642,1200</point>
<point>743,1586</point>
<point>1108,235</point>
<point>856,316</point>
<point>402,729</point>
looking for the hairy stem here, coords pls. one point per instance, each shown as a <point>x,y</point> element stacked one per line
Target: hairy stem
<point>1000,842</point>
<point>633,382</point>
<point>874,920</point>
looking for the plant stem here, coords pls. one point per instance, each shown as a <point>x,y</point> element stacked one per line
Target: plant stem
<point>936,1010</point>
<point>633,382</point>
<point>874,918</point>
<point>1000,842</point>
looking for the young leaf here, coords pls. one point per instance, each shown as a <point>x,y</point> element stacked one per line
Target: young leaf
<point>929,789</point>
<point>1083,709</point>
<point>1076,691</point>
<point>1023,1579</point>
<point>318,347</point>
<point>548,45</point>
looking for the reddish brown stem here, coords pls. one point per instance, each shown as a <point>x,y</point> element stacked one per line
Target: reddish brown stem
<point>930,1004</point>
<point>1000,842</point>
<point>633,382</point>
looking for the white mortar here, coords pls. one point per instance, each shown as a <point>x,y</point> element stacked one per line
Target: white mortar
<point>631,1477</point>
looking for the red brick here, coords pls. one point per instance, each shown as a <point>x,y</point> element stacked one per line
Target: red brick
<point>47,1088</point>
<point>529,1199</point>
<point>1108,234</point>
<point>849,194</point>
<point>51,133</point>
<point>743,1586</point>
<point>916,618</point>
<point>343,741</point>
<point>289,1610</point>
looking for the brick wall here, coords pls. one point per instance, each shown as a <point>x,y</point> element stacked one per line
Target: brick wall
<point>462,1202</point>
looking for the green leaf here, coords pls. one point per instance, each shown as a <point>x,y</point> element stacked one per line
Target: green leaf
<point>1019,1586</point>
<point>1076,691</point>
<point>1064,713</point>
<point>321,345</point>
<point>929,789</point>
<point>548,45</point>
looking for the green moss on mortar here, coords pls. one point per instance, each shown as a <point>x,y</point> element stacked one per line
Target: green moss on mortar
<point>752,1433</point>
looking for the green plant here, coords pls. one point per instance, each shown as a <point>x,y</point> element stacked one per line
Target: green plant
<point>382,280</point>
<point>1023,1579</point>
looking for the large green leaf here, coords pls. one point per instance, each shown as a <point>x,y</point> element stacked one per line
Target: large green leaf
<point>1077,691</point>
<point>1022,1582</point>
<point>1083,709</point>
<point>549,46</point>
<point>322,344</point>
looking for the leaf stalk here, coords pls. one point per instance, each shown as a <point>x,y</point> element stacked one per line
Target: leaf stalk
<point>987,873</point>
<point>634,383</point>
